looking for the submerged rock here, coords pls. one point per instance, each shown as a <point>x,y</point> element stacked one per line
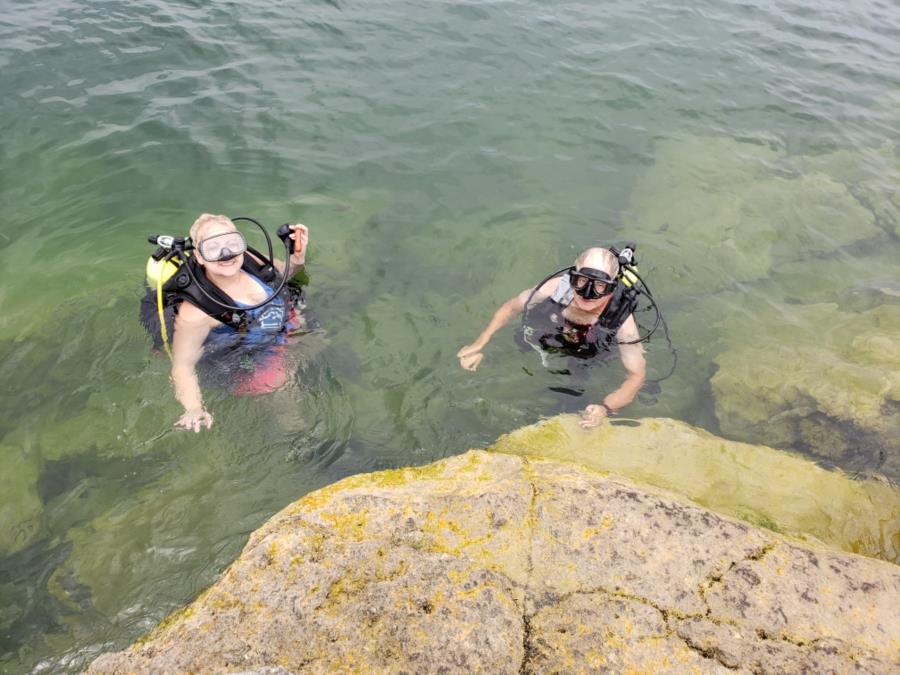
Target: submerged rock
<point>497,563</point>
<point>720,211</point>
<point>20,510</point>
<point>785,268</point>
<point>63,411</point>
<point>815,378</point>
<point>871,174</point>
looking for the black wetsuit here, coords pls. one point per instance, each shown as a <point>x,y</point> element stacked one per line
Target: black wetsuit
<point>546,328</point>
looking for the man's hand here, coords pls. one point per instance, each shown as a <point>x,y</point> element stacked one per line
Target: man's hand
<point>592,416</point>
<point>470,356</point>
<point>195,420</point>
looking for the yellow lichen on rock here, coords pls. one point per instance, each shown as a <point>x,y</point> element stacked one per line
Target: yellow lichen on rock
<point>544,566</point>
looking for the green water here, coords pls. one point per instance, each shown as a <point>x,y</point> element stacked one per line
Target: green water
<point>445,156</point>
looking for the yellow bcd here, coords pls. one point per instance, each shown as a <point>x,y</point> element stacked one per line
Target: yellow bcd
<point>159,271</point>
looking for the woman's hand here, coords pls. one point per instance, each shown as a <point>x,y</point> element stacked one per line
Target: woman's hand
<point>195,420</point>
<point>592,416</point>
<point>470,356</point>
<point>298,257</point>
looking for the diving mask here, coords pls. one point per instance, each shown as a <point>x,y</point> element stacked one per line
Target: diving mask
<point>591,284</point>
<point>222,247</point>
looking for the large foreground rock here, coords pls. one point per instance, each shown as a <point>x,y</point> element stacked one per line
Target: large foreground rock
<point>503,564</point>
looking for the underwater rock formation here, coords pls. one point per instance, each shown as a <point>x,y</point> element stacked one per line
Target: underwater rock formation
<point>825,381</point>
<point>785,267</point>
<point>498,563</point>
<point>720,211</point>
<point>20,510</point>
<point>50,423</point>
<point>872,175</point>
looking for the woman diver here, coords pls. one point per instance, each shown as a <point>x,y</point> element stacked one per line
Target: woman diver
<point>235,310</point>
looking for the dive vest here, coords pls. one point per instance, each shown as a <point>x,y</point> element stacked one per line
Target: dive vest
<point>179,286</point>
<point>546,327</point>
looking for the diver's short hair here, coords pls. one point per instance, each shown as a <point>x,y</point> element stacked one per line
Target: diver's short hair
<point>600,258</point>
<point>206,220</point>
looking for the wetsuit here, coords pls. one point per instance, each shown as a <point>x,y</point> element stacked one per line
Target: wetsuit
<point>546,329</point>
<point>251,358</point>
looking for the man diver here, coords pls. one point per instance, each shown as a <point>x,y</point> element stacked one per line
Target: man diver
<point>580,303</point>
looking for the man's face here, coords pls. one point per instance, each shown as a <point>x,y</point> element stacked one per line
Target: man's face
<point>586,305</point>
<point>590,283</point>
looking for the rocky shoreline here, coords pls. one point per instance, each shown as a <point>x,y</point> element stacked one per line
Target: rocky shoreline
<point>501,563</point>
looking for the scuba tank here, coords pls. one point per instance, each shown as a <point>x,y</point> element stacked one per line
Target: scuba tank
<point>160,270</point>
<point>627,294</point>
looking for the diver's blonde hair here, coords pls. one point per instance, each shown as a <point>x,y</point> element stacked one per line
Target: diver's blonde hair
<point>206,220</point>
<point>609,263</point>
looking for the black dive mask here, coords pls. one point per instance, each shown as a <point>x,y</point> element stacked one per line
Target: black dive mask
<point>222,247</point>
<point>591,284</point>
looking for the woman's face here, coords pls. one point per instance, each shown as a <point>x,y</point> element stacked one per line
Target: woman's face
<point>213,240</point>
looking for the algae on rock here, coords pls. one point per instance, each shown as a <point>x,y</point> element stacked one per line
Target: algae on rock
<point>768,487</point>
<point>20,510</point>
<point>495,563</point>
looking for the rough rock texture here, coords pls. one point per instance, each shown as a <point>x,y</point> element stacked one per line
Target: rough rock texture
<point>495,563</point>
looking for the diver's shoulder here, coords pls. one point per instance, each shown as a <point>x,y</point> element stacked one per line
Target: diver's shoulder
<point>550,286</point>
<point>628,329</point>
<point>189,313</point>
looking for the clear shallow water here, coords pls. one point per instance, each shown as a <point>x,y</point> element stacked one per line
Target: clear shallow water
<point>445,156</point>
